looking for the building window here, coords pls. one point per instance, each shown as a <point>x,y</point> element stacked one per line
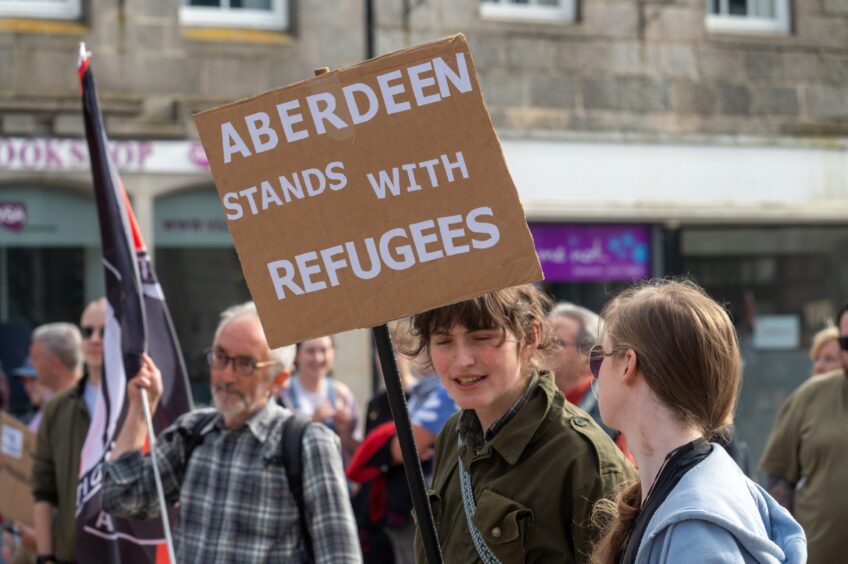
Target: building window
<point>261,14</point>
<point>533,10</point>
<point>748,16</point>
<point>48,9</point>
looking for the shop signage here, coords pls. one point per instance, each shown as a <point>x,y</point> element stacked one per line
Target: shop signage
<point>368,193</point>
<point>592,253</point>
<point>13,215</point>
<point>777,332</point>
<point>71,155</point>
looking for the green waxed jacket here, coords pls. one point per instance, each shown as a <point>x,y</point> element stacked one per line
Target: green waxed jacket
<point>535,484</point>
<point>56,462</point>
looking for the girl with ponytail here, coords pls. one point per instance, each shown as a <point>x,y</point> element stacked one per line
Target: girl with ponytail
<point>669,372</point>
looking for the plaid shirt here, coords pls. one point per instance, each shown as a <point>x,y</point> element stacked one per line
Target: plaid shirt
<point>470,430</point>
<point>234,506</point>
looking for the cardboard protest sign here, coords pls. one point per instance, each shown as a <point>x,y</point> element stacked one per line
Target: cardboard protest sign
<point>368,193</point>
<point>17,443</point>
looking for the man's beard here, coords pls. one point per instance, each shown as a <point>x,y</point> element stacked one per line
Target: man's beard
<point>235,404</point>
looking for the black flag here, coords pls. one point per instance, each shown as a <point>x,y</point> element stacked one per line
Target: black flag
<point>137,321</point>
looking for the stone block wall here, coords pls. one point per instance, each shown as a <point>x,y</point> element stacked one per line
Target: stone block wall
<point>625,66</point>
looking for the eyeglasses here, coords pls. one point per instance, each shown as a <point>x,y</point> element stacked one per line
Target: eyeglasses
<point>597,354</point>
<point>843,343</point>
<point>244,365</point>
<point>89,330</point>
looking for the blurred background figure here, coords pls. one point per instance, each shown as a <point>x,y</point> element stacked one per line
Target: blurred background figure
<point>56,355</point>
<point>382,505</point>
<point>806,457</point>
<point>36,393</point>
<point>9,544</point>
<point>313,391</point>
<point>5,395</point>
<point>824,352</point>
<point>576,330</point>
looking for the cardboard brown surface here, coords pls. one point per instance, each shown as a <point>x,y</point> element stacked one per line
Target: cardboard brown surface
<point>455,229</point>
<point>17,443</point>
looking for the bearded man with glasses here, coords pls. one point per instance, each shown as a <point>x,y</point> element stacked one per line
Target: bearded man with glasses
<point>806,457</point>
<point>222,464</point>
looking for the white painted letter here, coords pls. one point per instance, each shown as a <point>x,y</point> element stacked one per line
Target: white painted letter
<point>289,120</point>
<point>419,83</point>
<point>405,251</point>
<point>444,73</point>
<point>285,280</point>
<point>233,143</point>
<point>268,195</point>
<point>390,91</point>
<point>306,271</point>
<point>489,229</point>
<point>393,185</point>
<point>339,177</point>
<point>248,193</point>
<point>448,235</point>
<point>421,240</point>
<point>259,125</point>
<point>319,116</point>
<point>356,265</point>
<point>356,115</point>
<point>449,166</point>
<point>232,205</point>
<point>331,265</point>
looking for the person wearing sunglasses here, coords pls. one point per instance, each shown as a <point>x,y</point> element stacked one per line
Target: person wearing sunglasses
<point>576,330</point>
<point>518,469</point>
<point>806,456</point>
<point>669,372</point>
<point>58,354</point>
<point>226,465</point>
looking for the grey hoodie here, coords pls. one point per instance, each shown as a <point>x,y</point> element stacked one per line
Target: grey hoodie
<point>717,515</point>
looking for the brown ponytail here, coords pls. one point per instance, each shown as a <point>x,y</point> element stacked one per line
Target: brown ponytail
<point>617,519</point>
<point>687,350</point>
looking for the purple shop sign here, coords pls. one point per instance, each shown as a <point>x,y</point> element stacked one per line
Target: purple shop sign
<point>592,253</point>
<point>13,215</point>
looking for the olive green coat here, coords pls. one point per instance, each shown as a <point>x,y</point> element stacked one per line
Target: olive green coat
<point>56,462</point>
<point>534,483</point>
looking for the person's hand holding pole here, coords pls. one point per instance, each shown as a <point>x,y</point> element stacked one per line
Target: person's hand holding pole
<point>134,431</point>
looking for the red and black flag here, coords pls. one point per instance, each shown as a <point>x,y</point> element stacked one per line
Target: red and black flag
<point>137,321</point>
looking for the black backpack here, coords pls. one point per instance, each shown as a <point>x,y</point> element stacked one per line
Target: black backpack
<point>290,458</point>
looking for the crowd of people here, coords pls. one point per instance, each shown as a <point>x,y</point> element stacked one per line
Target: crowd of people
<point>547,433</point>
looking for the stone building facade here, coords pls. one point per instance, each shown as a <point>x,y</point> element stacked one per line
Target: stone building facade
<point>713,133</point>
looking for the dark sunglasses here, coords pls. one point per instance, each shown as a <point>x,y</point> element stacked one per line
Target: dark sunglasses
<point>89,330</point>
<point>596,358</point>
<point>843,343</point>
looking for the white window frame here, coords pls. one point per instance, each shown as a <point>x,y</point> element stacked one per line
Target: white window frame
<point>779,25</point>
<point>205,16</point>
<point>504,10</point>
<point>64,10</point>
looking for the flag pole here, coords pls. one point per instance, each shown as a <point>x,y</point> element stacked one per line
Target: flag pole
<point>163,506</point>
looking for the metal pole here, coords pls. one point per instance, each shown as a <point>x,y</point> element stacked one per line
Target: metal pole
<point>411,462</point>
<point>163,507</point>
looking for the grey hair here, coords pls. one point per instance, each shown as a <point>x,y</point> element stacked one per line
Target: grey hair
<point>64,341</point>
<point>589,323</point>
<point>283,355</point>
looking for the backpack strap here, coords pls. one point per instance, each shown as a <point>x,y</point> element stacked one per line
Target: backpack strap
<point>291,454</point>
<point>193,437</point>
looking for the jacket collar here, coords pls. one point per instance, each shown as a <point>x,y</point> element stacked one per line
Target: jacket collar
<point>261,422</point>
<point>517,433</point>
